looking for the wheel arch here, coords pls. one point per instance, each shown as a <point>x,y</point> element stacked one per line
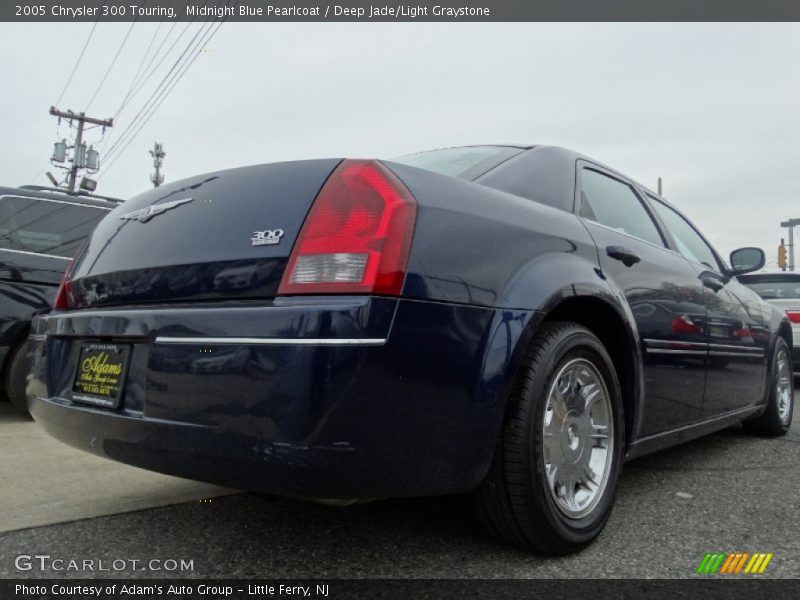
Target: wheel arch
<point>615,331</point>
<point>598,310</point>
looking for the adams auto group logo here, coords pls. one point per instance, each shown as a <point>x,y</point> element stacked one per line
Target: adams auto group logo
<point>734,563</point>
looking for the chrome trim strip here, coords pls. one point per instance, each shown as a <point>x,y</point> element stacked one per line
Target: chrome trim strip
<point>738,348</point>
<point>273,341</point>
<point>671,343</point>
<point>660,346</point>
<point>742,354</point>
<point>666,351</point>
<point>76,203</point>
<point>37,337</point>
<point>630,235</point>
<point>35,253</point>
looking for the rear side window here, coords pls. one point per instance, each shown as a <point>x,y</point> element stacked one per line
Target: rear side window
<point>614,204</point>
<point>45,227</point>
<point>689,242</point>
<point>467,162</point>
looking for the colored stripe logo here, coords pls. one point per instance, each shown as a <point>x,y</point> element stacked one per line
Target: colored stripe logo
<point>734,563</point>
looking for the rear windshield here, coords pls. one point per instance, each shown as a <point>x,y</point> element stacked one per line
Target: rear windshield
<point>45,226</point>
<point>466,162</point>
<point>772,289</point>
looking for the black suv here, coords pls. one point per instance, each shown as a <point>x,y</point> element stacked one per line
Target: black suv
<point>41,229</point>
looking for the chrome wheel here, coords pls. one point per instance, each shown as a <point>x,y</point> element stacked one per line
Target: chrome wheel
<point>783,385</point>
<point>578,438</point>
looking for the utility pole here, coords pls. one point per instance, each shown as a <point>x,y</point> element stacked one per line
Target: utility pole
<point>660,187</point>
<point>158,155</point>
<point>79,154</point>
<point>790,225</point>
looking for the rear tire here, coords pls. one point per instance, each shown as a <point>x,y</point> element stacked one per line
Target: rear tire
<point>14,384</point>
<point>777,416</point>
<point>538,493</point>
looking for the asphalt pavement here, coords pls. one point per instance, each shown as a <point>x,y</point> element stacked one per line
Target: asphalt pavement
<point>727,492</point>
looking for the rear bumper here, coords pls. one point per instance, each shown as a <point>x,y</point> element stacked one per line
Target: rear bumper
<point>327,397</point>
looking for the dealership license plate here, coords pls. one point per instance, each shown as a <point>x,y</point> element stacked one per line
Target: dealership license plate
<point>100,376</point>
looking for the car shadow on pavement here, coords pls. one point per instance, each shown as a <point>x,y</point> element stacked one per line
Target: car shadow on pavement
<point>10,414</point>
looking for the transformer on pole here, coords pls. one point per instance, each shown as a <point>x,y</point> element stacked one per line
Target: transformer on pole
<point>82,158</point>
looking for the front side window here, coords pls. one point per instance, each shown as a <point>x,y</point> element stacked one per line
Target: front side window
<point>688,241</point>
<point>614,204</point>
<point>44,227</point>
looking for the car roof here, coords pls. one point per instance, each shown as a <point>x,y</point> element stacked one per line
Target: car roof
<point>33,191</point>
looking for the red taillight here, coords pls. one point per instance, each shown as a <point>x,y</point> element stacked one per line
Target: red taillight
<point>357,236</point>
<point>794,315</point>
<point>63,300</point>
<point>684,324</point>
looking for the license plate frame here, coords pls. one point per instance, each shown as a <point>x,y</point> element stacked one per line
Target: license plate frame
<point>100,374</point>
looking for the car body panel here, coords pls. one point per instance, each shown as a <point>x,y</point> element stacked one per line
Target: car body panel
<point>293,407</point>
<point>369,396</point>
<point>209,232</point>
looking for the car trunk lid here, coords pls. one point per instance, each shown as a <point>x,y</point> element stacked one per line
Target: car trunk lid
<point>219,235</point>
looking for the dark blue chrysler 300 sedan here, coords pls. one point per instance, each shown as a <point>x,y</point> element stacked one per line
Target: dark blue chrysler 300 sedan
<point>510,321</point>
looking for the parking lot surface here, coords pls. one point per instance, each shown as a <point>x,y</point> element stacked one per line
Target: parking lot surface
<point>43,481</point>
<point>727,492</point>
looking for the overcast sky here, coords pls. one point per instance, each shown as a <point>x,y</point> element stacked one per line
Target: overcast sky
<point>713,109</point>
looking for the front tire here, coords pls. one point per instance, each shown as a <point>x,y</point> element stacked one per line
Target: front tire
<point>777,416</point>
<point>552,482</point>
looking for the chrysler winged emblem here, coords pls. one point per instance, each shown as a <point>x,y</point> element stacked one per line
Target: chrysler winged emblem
<point>145,214</point>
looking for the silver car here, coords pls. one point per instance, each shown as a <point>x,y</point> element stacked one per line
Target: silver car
<point>783,290</point>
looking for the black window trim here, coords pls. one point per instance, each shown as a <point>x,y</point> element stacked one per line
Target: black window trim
<point>582,164</point>
<point>650,197</point>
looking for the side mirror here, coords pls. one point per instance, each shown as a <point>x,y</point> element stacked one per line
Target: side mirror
<point>747,260</point>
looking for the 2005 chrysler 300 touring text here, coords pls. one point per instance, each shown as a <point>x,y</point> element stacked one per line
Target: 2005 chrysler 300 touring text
<point>502,320</point>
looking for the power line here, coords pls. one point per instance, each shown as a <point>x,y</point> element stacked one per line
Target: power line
<point>113,62</point>
<point>145,78</point>
<point>162,87</point>
<point>66,85</point>
<point>150,72</point>
<point>154,108</point>
<point>164,95</point>
<point>141,63</point>
<point>159,90</point>
<point>75,68</point>
<point>140,71</point>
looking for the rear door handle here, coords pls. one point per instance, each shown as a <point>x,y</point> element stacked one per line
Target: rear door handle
<point>627,256</point>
